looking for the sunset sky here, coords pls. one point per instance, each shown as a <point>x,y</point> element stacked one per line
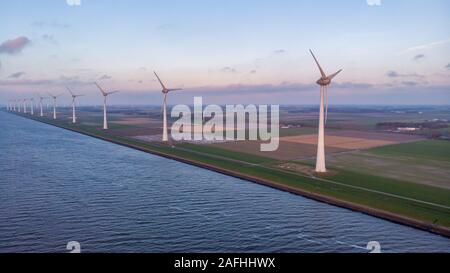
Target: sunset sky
<point>228,51</point>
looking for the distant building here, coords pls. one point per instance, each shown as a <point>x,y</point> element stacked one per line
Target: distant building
<point>407,129</point>
<point>289,126</point>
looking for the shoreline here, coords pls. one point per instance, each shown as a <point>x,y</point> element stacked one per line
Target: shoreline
<point>385,215</point>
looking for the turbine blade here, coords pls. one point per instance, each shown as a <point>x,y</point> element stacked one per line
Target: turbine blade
<point>317,62</point>
<point>334,75</point>
<point>70,91</point>
<point>176,89</point>
<point>162,85</point>
<point>113,92</point>
<point>101,89</point>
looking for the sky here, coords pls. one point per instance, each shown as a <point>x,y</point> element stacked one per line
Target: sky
<point>227,51</point>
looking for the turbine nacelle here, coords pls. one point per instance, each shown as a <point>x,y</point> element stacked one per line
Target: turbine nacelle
<point>165,90</point>
<point>53,96</point>
<point>324,80</point>
<point>104,93</point>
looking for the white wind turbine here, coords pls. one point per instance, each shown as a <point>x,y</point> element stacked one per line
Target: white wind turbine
<point>54,103</point>
<point>32,106</point>
<point>24,101</point>
<point>105,95</point>
<point>165,91</point>
<point>324,82</point>
<point>14,105</point>
<point>41,99</point>
<point>74,97</point>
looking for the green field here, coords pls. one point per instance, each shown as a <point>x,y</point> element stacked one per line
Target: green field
<point>428,149</point>
<point>211,150</point>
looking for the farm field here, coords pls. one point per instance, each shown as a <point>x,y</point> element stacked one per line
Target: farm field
<point>428,172</point>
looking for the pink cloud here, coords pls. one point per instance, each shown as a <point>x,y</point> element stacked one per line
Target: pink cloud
<point>14,46</point>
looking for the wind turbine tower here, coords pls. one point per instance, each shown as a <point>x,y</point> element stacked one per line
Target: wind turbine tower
<point>41,98</point>
<point>105,96</point>
<point>54,104</point>
<point>165,91</point>
<point>24,106</point>
<point>324,82</point>
<point>74,97</point>
<point>32,106</point>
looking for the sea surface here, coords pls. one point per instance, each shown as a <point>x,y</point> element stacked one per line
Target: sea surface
<point>58,186</point>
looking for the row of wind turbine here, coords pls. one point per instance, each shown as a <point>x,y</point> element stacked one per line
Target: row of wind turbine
<point>324,82</point>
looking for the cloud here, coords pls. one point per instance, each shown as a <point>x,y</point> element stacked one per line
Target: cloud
<point>373,2</point>
<point>279,51</point>
<point>26,82</point>
<point>352,85</point>
<point>395,74</point>
<point>16,75</point>
<point>49,38</point>
<point>228,69</point>
<point>14,46</point>
<point>45,24</point>
<point>62,80</point>
<point>253,72</point>
<point>392,74</point>
<point>418,57</point>
<point>166,27</point>
<point>243,89</point>
<point>105,77</point>
<point>447,66</point>
<point>428,46</point>
<point>73,2</point>
<point>410,83</point>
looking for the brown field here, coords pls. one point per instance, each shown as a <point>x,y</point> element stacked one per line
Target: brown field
<point>353,140</point>
<point>397,138</point>
<point>305,146</point>
<point>133,132</point>
<point>136,121</point>
<point>350,143</point>
<point>286,151</point>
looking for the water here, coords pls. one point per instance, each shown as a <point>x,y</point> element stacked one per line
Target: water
<point>57,186</point>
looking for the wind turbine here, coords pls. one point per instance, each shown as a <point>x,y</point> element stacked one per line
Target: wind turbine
<point>32,106</point>
<point>24,106</point>
<point>54,103</point>
<point>324,82</point>
<point>165,91</point>
<point>74,118</point>
<point>41,98</point>
<point>105,95</point>
<point>14,105</point>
